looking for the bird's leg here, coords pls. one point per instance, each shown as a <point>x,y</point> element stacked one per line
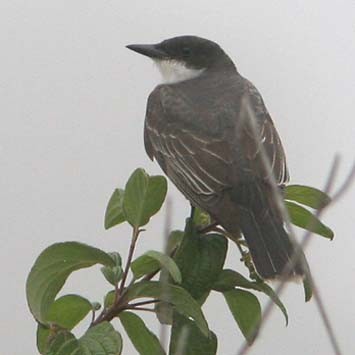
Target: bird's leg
<point>192,213</point>
<point>246,259</point>
<point>208,228</point>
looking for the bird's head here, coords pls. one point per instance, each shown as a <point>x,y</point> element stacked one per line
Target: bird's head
<point>183,58</point>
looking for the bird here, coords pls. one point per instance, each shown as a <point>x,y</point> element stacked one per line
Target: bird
<point>209,130</point>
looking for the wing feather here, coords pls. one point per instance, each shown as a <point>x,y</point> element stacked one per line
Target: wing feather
<point>185,155</point>
<point>264,141</point>
<point>203,164</point>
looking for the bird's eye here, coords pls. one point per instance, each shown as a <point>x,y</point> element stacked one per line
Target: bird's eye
<point>186,51</point>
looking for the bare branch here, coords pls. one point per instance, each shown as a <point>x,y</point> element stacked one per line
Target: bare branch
<point>141,309</point>
<point>113,311</point>
<point>142,303</point>
<point>336,196</point>
<point>163,336</point>
<point>135,235</point>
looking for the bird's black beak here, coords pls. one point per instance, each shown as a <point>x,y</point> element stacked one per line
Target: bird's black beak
<point>149,50</point>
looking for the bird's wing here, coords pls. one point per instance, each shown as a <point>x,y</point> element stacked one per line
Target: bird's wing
<point>262,143</point>
<point>198,164</point>
<point>203,159</point>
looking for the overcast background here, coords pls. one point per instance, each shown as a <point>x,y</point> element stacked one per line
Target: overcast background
<point>72,104</point>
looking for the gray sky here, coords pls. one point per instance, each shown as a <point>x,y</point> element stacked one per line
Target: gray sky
<point>72,103</point>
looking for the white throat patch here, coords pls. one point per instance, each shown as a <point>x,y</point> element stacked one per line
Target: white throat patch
<point>173,71</point>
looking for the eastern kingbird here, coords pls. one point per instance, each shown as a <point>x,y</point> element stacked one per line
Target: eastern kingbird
<point>209,130</point>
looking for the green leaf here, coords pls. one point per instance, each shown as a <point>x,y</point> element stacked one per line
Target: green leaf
<point>113,274</point>
<point>153,260</point>
<point>187,339</point>
<point>174,241</point>
<point>102,339</point>
<point>109,299</point>
<point>164,312</point>
<point>144,196</point>
<point>114,214</point>
<point>43,334</point>
<point>301,217</point>
<point>265,288</point>
<point>175,295</point>
<point>52,268</point>
<point>67,311</point>
<point>246,310</point>
<point>306,195</point>
<point>145,342</point>
<point>116,257</point>
<point>308,288</point>
<point>200,259</point>
<point>144,265</point>
<point>229,279</point>
<point>64,343</point>
<point>201,300</point>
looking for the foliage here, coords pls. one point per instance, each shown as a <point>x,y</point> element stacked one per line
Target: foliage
<point>187,272</point>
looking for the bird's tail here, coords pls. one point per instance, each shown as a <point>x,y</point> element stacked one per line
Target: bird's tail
<point>269,243</point>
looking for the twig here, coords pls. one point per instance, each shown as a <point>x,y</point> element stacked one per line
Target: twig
<point>251,119</point>
<point>148,277</point>
<point>337,195</point>
<point>109,314</point>
<point>135,235</point>
<point>182,342</point>
<point>143,303</point>
<point>326,320</point>
<point>141,309</point>
<point>92,315</point>
<point>168,212</point>
<point>268,308</point>
<point>345,186</point>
